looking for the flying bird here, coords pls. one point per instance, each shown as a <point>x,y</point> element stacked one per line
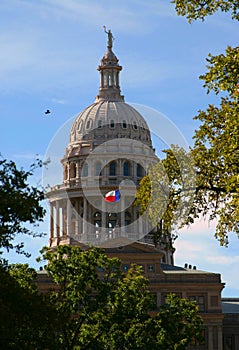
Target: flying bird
<point>47,111</point>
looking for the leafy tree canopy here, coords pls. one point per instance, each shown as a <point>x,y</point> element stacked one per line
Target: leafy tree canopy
<point>27,320</point>
<point>200,9</point>
<point>212,190</point>
<point>19,203</point>
<point>100,307</point>
<point>166,194</point>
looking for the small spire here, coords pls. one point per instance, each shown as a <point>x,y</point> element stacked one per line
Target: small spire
<point>110,38</point>
<point>109,74</point>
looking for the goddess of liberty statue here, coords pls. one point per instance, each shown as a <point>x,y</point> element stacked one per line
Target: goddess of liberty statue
<point>110,38</point>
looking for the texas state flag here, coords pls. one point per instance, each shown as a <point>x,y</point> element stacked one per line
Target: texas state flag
<point>112,196</point>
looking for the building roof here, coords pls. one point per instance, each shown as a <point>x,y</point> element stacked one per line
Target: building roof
<point>230,305</point>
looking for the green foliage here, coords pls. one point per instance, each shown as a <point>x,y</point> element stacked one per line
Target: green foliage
<point>200,9</point>
<point>216,147</point>
<point>222,72</point>
<point>24,275</point>
<point>19,203</point>
<point>214,158</point>
<point>95,308</point>
<point>216,154</point>
<point>166,194</point>
<point>179,326</point>
<point>100,307</point>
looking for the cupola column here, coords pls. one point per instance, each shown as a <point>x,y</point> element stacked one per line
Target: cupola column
<point>69,216</point>
<point>57,220</point>
<point>64,218</point>
<point>103,228</point>
<point>52,222</point>
<point>77,217</point>
<point>85,217</point>
<point>122,215</point>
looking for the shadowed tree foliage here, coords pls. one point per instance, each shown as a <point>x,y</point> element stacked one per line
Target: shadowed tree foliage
<point>27,320</point>
<point>19,204</point>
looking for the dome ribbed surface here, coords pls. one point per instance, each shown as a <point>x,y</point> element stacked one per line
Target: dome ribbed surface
<point>110,119</point>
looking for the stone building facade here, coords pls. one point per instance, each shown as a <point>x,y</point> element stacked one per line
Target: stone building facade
<point>110,148</point>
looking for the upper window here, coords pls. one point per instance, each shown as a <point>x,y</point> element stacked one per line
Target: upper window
<point>124,124</point>
<point>85,169</point>
<point>99,124</point>
<point>72,170</point>
<point>112,123</point>
<point>125,267</point>
<point>140,170</point>
<point>112,169</point>
<point>88,124</point>
<point>200,299</point>
<point>150,268</point>
<point>98,168</point>
<point>135,126</point>
<point>126,169</point>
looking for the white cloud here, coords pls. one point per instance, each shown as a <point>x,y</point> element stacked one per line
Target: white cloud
<point>197,246</point>
<point>59,101</point>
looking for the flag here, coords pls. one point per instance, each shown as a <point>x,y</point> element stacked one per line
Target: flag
<point>112,196</point>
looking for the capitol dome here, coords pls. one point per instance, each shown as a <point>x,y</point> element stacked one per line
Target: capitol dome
<point>106,119</point>
<point>109,117</point>
<point>109,150</point>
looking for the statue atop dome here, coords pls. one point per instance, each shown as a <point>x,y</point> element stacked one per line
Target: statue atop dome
<point>110,38</point>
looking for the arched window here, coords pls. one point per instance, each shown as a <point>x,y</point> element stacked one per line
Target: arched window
<point>72,170</point>
<point>126,169</point>
<point>140,170</point>
<point>105,79</point>
<point>112,169</point>
<point>99,124</point>
<point>85,169</point>
<point>97,223</point>
<point>127,220</point>
<point>98,169</point>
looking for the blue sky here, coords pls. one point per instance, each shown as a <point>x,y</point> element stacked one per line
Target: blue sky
<point>50,50</point>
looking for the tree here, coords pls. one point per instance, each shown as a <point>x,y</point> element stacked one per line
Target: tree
<point>27,320</point>
<point>19,204</point>
<point>166,194</point>
<point>194,10</point>
<point>174,327</point>
<point>215,155</point>
<point>216,147</point>
<point>100,307</point>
